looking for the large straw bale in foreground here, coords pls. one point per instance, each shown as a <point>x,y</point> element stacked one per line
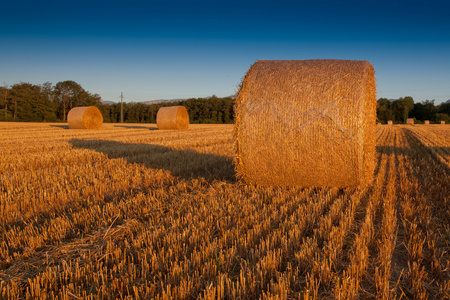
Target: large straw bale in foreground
<point>306,123</point>
<point>172,117</point>
<point>85,117</point>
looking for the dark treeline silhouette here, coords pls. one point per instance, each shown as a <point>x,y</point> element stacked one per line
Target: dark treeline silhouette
<point>25,102</point>
<point>212,110</point>
<point>401,109</point>
<point>51,103</point>
<point>43,103</point>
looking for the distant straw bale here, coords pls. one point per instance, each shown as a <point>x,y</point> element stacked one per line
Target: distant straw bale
<point>410,121</point>
<point>427,122</point>
<point>85,117</point>
<point>389,122</point>
<point>306,123</point>
<point>442,122</point>
<point>172,117</point>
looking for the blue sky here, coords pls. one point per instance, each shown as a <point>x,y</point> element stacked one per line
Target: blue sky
<point>179,49</point>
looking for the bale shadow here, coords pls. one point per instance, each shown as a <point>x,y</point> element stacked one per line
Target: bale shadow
<point>187,164</point>
<point>136,127</point>
<point>60,126</point>
<point>443,151</point>
<point>417,152</point>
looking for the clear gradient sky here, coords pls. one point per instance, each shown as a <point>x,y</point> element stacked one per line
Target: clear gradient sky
<point>169,49</point>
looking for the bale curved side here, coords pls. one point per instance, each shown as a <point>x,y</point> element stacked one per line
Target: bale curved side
<point>306,123</point>
<point>172,117</point>
<point>85,117</point>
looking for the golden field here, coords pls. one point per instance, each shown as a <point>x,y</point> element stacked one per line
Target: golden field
<point>131,212</point>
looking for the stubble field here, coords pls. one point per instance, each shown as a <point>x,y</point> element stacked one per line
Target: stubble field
<point>131,212</point>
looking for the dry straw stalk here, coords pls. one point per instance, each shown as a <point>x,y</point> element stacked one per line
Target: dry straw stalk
<point>85,117</point>
<point>172,117</point>
<point>306,123</point>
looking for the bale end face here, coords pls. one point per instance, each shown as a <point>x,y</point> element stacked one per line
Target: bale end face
<point>172,117</point>
<point>306,123</point>
<point>85,117</point>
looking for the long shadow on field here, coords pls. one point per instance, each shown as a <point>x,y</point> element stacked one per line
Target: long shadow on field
<point>418,150</point>
<point>443,151</point>
<point>183,163</point>
<point>433,152</point>
<point>60,126</point>
<point>136,127</point>
<point>426,167</point>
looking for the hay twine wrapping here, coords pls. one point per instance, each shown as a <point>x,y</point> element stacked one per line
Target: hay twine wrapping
<point>172,117</point>
<point>85,117</point>
<point>306,123</point>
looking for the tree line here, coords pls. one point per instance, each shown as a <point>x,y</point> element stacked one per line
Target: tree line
<point>212,110</point>
<point>25,102</point>
<point>51,103</point>
<point>398,111</point>
<point>43,103</point>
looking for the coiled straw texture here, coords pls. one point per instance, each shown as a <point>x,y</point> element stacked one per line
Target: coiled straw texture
<point>306,123</point>
<point>172,117</point>
<point>85,117</point>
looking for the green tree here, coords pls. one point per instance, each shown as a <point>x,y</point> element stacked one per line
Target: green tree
<point>64,92</point>
<point>48,96</point>
<point>105,111</point>
<point>5,95</point>
<point>30,103</point>
<point>444,108</point>
<point>424,111</point>
<point>443,117</point>
<point>68,94</point>
<point>401,108</point>
<point>384,110</point>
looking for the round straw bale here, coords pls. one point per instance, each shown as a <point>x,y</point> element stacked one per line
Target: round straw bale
<point>85,117</point>
<point>306,123</point>
<point>172,117</point>
<point>427,122</point>
<point>410,121</point>
<point>390,122</point>
<point>442,122</point>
